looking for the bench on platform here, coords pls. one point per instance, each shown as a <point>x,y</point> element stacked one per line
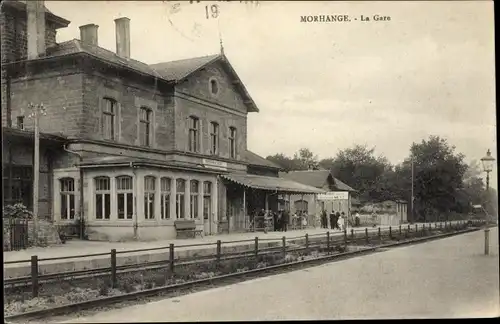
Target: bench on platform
<point>187,226</point>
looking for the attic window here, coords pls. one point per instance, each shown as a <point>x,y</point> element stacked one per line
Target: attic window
<point>214,87</point>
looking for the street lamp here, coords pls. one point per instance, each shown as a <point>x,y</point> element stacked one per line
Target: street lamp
<point>488,162</point>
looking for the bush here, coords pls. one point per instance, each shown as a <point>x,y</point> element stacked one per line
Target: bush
<point>18,211</point>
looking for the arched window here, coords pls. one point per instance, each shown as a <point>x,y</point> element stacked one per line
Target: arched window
<point>149,197</point>
<point>207,199</point>
<point>145,126</point>
<point>109,111</point>
<point>165,197</point>
<point>194,134</point>
<point>102,198</point>
<point>214,87</point>
<point>301,206</point>
<point>193,202</point>
<point>232,142</point>
<point>67,193</point>
<point>179,199</point>
<point>214,138</point>
<point>124,195</point>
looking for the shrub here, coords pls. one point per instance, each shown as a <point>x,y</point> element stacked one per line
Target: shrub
<point>17,211</point>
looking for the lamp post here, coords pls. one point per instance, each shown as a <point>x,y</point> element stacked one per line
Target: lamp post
<point>487,162</point>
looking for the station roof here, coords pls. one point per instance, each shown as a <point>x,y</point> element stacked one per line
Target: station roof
<point>271,183</point>
<point>315,178</point>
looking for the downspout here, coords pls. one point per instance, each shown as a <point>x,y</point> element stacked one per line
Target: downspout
<point>136,224</point>
<point>82,217</point>
<point>8,99</point>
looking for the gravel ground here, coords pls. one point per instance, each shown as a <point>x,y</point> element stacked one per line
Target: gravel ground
<point>448,278</point>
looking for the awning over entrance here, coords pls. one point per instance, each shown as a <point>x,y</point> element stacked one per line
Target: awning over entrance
<point>271,183</point>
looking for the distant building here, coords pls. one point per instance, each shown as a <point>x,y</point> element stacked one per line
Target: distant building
<point>337,196</point>
<point>388,212</point>
<point>127,146</point>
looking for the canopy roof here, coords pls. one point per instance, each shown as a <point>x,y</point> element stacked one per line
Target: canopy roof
<point>271,183</point>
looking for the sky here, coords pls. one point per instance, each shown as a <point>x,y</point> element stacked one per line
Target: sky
<point>429,70</point>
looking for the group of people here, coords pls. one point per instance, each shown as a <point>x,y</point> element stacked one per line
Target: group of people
<point>281,220</point>
<point>337,220</point>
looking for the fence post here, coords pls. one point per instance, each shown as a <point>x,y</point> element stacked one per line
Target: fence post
<point>400,231</point>
<point>345,238</point>
<point>283,239</point>
<point>113,268</point>
<point>366,236</point>
<point>416,230</point>
<point>256,247</point>
<point>352,234</point>
<point>219,248</point>
<point>307,243</point>
<point>34,275</point>
<point>171,258</point>
<point>390,232</point>
<point>379,235</point>
<point>328,242</point>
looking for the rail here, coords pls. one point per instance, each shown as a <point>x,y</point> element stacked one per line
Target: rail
<point>281,245</point>
<point>399,236</point>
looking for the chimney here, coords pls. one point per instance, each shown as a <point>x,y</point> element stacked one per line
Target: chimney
<point>88,34</point>
<point>123,37</point>
<point>35,28</point>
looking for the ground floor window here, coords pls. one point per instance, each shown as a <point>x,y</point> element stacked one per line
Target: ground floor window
<point>67,194</point>
<point>194,199</point>
<point>18,185</point>
<point>102,198</point>
<point>125,197</point>
<point>149,197</point>
<point>179,199</point>
<point>165,198</point>
<point>207,199</point>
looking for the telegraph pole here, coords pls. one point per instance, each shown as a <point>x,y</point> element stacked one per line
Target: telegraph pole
<point>36,169</point>
<point>412,196</point>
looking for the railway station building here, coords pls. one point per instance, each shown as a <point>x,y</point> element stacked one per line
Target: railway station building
<point>128,147</point>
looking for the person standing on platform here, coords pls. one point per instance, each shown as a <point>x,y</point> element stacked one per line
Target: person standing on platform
<point>337,216</point>
<point>276,221</point>
<point>343,221</point>
<point>333,221</point>
<point>324,221</point>
<point>285,218</point>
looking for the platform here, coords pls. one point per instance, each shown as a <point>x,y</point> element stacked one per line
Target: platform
<point>75,252</point>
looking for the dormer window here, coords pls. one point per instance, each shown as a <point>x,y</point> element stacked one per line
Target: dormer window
<point>214,87</point>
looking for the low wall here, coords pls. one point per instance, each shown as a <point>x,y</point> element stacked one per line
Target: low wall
<point>380,219</point>
<point>47,234</point>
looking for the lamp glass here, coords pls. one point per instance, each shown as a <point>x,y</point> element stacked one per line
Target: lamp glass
<point>488,162</point>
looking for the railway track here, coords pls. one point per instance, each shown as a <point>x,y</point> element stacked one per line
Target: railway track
<point>130,268</point>
<point>222,279</point>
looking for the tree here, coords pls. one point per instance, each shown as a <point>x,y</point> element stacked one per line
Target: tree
<point>361,169</point>
<point>438,177</point>
<point>282,160</point>
<point>305,159</point>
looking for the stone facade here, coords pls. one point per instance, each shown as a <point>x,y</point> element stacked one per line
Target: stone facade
<point>73,88</point>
